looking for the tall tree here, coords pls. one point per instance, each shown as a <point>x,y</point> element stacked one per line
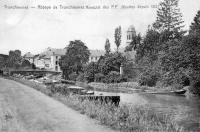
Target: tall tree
<point>107,46</point>
<point>195,26</point>
<point>169,17</point>
<point>150,46</point>
<point>118,37</point>
<point>76,56</point>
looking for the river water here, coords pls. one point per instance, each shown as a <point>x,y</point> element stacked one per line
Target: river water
<point>186,110</point>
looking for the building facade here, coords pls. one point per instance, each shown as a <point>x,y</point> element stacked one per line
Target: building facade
<point>95,55</point>
<point>130,34</point>
<point>49,59</point>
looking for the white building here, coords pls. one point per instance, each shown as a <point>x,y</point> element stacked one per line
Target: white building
<point>49,59</point>
<point>95,55</point>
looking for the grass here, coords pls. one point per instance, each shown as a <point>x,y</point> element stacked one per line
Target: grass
<point>126,118</point>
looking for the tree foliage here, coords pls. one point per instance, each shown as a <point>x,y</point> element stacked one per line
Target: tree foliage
<point>3,59</point>
<point>195,26</point>
<point>14,59</point>
<point>118,36</point>
<point>26,63</point>
<point>134,44</point>
<point>111,63</point>
<point>90,70</point>
<point>150,46</point>
<point>107,46</point>
<point>169,16</point>
<point>76,56</point>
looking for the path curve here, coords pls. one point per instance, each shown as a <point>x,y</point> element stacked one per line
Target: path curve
<point>23,109</point>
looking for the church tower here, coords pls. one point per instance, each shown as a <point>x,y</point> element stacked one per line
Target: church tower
<point>130,34</point>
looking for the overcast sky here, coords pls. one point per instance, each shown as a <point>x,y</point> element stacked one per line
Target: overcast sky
<point>34,30</point>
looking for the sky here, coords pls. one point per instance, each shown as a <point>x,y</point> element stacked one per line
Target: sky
<point>33,30</point>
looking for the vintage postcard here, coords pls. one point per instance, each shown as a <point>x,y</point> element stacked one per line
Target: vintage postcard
<point>99,65</point>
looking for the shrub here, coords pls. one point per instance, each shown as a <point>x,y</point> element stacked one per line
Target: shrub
<point>148,78</point>
<point>73,76</point>
<point>176,79</point>
<point>58,88</point>
<point>80,77</point>
<point>99,77</point>
<point>195,88</point>
<point>115,77</point>
<point>112,77</point>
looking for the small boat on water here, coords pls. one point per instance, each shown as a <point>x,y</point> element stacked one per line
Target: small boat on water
<point>176,92</point>
<point>181,91</point>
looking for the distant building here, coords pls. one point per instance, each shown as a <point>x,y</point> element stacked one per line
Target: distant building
<point>95,55</point>
<point>130,34</point>
<point>49,59</point>
<point>30,57</point>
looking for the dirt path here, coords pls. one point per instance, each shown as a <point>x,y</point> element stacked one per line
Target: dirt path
<point>23,109</point>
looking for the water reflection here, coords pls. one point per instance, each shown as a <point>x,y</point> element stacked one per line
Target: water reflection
<point>186,111</point>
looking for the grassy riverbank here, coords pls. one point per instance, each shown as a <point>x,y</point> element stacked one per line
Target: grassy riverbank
<point>125,117</point>
<point>125,87</point>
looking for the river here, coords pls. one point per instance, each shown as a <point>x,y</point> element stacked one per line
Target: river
<point>186,110</point>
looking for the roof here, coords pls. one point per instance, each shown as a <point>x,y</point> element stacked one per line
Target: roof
<point>131,29</point>
<point>29,55</point>
<point>52,51</point>
<point>97,53</point>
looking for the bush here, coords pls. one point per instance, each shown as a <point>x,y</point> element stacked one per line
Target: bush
<point>148,78</point>
<point>176,79</point>
<point>115,77</point>
<point>80,77</point>
<point>73,76</point>
<point>99,77</point>
<point>59,88</point>
<point>195,88</point>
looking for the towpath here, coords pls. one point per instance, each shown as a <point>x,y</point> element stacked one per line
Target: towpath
<point>23,109</point>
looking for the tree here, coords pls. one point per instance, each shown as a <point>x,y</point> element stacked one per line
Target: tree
<point>150,46</point>
<point>195,26</point>
<point>76,56</point>
<point>26,63</point>
<point>14,59</point>
<point>3,59</point>
<point>107,46</point>
<point>134,44</point>
<point>111,62</point>
<point>118,37</point>
<point>90,70</point>
<point>169,17</point>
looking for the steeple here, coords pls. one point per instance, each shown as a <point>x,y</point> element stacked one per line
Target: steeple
<point>130,34</point>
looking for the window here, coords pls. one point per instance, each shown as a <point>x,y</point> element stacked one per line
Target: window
<point>56,62</point>
<point>56,57</point>
<point>96,58</point>
<point>56,68</point>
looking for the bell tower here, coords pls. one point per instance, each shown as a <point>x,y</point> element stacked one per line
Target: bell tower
<point>130,34</point>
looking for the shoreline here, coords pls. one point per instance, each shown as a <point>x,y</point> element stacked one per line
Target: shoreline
<point>122,117</point>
